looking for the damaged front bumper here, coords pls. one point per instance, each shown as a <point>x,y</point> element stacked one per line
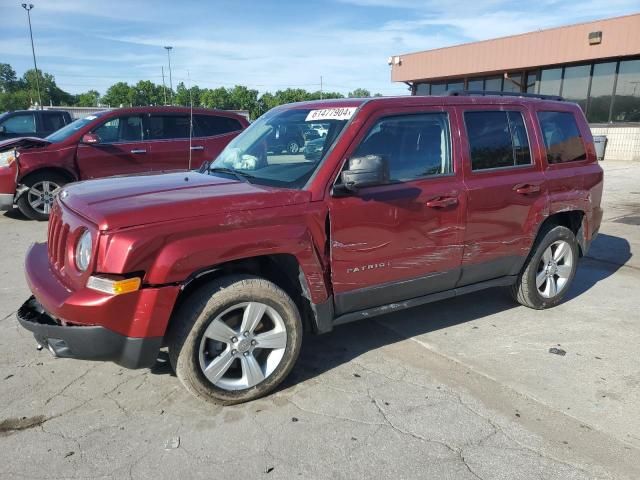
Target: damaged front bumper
<point>87,342</point>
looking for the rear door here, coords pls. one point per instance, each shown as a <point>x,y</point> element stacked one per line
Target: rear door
<point>215,131</point>
<point>168,136</point>
<point>122,149</point>
<point>401,240</point>
<point>506,190</point>
<point>51,122</point>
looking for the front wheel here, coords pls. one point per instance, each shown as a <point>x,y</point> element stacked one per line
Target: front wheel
<point>36,202</point>
<point>549,271</point>
<point>235,339</point>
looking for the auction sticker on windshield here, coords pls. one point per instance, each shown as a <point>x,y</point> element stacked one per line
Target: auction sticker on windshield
<point>344,113</point>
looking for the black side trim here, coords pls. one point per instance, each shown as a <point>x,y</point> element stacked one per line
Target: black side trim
<point>500,267</point>
<point>394,292</point>
<point>87,343</point>
<point>434,297</point>
<point>323,316</point>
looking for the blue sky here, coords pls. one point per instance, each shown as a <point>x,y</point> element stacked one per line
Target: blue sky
<point>267,45</point>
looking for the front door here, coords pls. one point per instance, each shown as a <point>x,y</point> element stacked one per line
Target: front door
<point>403,239</point>
<point>122,150</point>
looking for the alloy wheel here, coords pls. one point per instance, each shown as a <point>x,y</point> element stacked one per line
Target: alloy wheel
<point>41,195</point>
<point>242,346</point>
<point>554,269</point>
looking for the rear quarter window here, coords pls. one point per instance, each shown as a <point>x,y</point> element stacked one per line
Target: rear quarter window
<point>562,139</point>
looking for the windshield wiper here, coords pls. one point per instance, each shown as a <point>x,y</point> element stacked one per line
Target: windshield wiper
<point>242,176</point>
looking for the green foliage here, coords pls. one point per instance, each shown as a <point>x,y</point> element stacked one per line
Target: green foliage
<point>21,93</point>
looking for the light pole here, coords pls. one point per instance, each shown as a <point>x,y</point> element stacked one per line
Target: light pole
<point>170,80</point>
<point>33,50</point>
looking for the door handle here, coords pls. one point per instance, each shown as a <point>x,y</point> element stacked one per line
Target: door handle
<point>197,147</point>
<point>442,202</point>
<point>526,188</point>
<point>138,150</point>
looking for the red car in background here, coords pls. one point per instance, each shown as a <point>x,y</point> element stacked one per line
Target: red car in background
<point>115,142</point>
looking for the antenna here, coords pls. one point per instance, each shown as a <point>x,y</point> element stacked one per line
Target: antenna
<point>190,117</point>
<point>164,87</point>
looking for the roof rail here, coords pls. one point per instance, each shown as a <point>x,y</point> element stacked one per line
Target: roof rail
<point>461,93</point>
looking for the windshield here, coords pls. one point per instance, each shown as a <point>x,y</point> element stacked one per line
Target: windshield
<point>73,127</point>
<point>283,147</point>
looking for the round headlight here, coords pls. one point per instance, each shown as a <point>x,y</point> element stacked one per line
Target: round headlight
<point>83,251</point>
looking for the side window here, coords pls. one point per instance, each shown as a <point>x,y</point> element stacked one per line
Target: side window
<point>497,139</point>
<point>209,125</point>
<point>120,129</point>
<point>22,124</point>
<point>415,146</point>
<point>52,121</point>
<point>561,137</point>
<point>168,127</point>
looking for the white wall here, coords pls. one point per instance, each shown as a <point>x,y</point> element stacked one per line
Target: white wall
<point>623,142</point>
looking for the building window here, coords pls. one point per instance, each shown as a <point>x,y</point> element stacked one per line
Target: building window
<point>422,89</point>
<point>438,88</point>
<point>626,104</point>
<point>604,75</point>
<point>455,86</point>
<point>575,85</point>
<point>493,84</point>
<point>532,82</point>
<point>475,84</point>
<point>550,81</point>
<point>561,137</point>
<point>513,83</point>
<point>497,139</point>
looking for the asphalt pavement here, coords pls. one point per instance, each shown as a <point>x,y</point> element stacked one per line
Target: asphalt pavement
<point>462,389</point>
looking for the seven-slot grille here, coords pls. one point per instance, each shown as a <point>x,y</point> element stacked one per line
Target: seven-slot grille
<point>57,240</point>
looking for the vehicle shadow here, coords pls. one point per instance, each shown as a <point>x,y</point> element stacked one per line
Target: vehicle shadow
<point>346,343</point>
<point>15,214</point>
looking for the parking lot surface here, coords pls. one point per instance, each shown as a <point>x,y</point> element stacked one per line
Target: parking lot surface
<point>462,389</point>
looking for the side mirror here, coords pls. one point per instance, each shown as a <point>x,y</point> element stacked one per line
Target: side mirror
<point>367,171</point>
<point>90,139</point>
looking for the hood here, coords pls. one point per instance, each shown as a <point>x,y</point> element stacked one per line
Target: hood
<point>120,202</point>
<point>23,142</point>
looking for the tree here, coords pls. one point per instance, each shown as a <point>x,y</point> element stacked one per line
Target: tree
<point>118,94</point>
<point>88,99</point>
<point>216,98</point>
<point>8,78</point>
<point>359,93</point>
<point>145,92</point>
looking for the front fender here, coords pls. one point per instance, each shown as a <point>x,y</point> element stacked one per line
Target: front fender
<point>194,245</point>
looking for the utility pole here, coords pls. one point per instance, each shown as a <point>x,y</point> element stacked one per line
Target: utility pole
<point>170,79</point>
<point>33,51</point>
<point>320,87</point>
<point>164,87</point>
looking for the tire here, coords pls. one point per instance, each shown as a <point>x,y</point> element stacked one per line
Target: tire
<point>213,308</point>
<point>552,262</point>
<point>293,147</point>
<point>43,187</point>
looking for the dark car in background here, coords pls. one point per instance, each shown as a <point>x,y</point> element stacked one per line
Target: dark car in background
<point>123,141</point>
<point>32,123</point>
<point>313,149</point>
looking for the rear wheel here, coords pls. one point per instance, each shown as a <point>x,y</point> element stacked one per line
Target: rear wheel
<point>235,339</point>
<point>549,271</point>
<point>36,203</point>
<point>293,147</point>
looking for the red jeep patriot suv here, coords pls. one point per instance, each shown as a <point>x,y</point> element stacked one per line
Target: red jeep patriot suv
<point>413,199</point>
<point>123,141</point>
